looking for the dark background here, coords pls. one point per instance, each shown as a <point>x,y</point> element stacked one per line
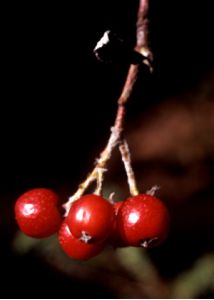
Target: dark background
<point>58,104</point>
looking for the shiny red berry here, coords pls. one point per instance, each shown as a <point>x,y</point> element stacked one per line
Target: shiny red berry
<point>37,213</point>
<point>75,248</point>
<point>91,218</point>
<point>143,220</point>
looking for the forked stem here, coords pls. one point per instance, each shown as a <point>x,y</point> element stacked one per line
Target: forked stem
<point>116,131</point>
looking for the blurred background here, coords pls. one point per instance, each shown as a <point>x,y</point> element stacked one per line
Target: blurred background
<point>57,106</point>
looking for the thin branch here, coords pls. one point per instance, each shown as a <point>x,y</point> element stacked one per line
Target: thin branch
<point>129,85</point>
<point>126,157</point>
<point>142,25</point>
<point>115,137</point>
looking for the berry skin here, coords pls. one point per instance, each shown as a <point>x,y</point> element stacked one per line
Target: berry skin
<point>75,248</point>
<point>117,206</point>
<point>37,213</point>
<point>143,220</point>
<point>115,239</point>
<point>91,218</point>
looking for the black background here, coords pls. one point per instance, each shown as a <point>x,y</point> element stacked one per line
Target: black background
<point>58,102</point>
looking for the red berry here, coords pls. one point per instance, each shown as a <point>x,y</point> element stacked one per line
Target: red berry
<point>37,213</point>
<point>74,247</point>
<point>117,206</point>
<point>91,217</point>
<point>115,238</point>
<point>143,220</point>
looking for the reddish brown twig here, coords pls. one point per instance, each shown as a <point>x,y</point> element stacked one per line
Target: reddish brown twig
<point>116,131</point>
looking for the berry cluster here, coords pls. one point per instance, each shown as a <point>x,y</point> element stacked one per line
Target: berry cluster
<point>93,222</point>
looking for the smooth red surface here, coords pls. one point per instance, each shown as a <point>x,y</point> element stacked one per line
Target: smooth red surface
<point>93,215</point>
<point>143,218</point>
<point>37,213</point>
<point>75,248</point>
<point>117,206</point>
<point>115,239</point>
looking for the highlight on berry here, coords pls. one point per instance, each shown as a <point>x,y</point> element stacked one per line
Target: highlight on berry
<point>93,222</point>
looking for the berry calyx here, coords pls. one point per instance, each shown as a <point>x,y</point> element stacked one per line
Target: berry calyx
<point>37,213</point>
<point>75,248</point>
<point>143,220</point>
<point>91,218</point>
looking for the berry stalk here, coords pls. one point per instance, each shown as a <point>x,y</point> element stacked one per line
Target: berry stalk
<point>97,173</point>
<point>126,158</point>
